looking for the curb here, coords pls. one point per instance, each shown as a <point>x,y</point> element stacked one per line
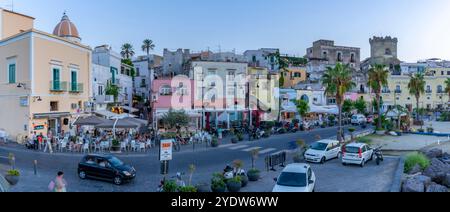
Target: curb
<point>397,184</point>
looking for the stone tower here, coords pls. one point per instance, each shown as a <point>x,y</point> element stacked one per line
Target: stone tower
<point>383,47</point>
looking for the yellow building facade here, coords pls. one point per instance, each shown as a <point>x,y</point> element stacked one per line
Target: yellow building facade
<point>293,76</point>
<point>44,78</point>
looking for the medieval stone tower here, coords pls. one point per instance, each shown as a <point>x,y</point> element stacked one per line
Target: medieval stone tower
<point>383,47</point>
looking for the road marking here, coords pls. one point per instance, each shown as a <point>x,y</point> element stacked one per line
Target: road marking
<point>227,145</point>
<point>238,147</point>
<point>267,150</point>
<point>251,149</point>
<point>4,157</point>
<point>279,152</point>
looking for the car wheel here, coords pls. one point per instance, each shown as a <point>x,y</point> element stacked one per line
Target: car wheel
<point>363,163</point>
<point>344,164</point>
<point>118,180</point>
<point>322,161</point>
<point>82,175</point>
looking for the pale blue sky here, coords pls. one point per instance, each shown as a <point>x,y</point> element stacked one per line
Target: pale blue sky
<point>422,26</point>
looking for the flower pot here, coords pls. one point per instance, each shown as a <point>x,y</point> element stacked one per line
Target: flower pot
<point>115,149</point>
<point>203,188</point>
<point>13,180</point>
<point>234,186</point>
<point>215,144</point>
<point>244,181</point>
<point>218,189</point>
<point>253,176</point>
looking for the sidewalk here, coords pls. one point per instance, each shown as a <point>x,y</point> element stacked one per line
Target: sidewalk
<point>406,142</point>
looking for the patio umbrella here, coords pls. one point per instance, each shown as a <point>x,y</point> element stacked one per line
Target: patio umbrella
<point>118,124</point>
<point>90,121</point>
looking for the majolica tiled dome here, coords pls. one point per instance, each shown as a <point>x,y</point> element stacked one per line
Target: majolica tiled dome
<point>67,29</point>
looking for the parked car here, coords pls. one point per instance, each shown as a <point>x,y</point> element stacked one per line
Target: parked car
<point>323,150</point>
<point>105,167</point>
<point>358,119</point>
<point>296,177</point>
<point>357,153</point>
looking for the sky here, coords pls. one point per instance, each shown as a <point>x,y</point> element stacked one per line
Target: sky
<point>422,26</point>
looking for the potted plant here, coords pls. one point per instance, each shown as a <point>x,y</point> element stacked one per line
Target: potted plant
<point>234,140</point>
<point>115,145</point>
<point>331,118</point>
<point>218,183</point>
<point>215,142</point>
<point>203,187</point>
<point>170,186</point>
<point>12,176</point>
<point>253,174</point>
<point>187,189</point>
<point>430,130</point>
<point>323,125</point>
<point>266,133</point>
<point>240,137</point>
<point>234,184</point>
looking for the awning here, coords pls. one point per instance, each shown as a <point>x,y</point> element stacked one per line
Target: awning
<point>324,109</point>
<point>89,121</point>
<point>121,124</point>
<point>131,109</point>
<point>50,115</point>
<point>110,115</point>
<point>141,122</point>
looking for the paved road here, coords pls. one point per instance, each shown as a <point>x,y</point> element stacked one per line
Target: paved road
<point>207,162</point>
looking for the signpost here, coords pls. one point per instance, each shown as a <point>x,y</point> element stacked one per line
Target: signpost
<point>165,155</point>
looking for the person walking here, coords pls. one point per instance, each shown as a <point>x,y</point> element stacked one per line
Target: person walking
<point>60,183</point>
<point>48,142</point>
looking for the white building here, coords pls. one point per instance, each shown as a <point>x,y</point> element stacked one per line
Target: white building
<point>145,74</point>
<point>105,69</point>
<point>264,57</point>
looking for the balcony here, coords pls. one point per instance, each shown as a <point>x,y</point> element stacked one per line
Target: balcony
<point>58,86</point>
<point>104,99</point>
<point>386,91</point>
<point>76,88</point>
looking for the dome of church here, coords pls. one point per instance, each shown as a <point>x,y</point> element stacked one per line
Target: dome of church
<point>67,29</point>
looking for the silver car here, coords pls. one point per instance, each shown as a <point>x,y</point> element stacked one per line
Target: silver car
<point>4,185</point>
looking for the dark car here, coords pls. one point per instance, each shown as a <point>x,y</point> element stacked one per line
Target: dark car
<point>105,167</point>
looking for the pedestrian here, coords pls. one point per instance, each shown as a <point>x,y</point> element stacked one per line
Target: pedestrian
<point>60,182</point>
<point>35,140</point>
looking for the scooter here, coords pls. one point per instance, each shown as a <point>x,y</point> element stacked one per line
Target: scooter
<point>379,155</point>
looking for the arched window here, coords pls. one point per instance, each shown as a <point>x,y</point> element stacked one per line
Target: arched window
<point>305,98</point>
<point>352,58</point>
<point>439,89</point>
<point>339,57</point>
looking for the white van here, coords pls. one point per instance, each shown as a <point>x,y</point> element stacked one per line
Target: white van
<point>323,150</point>
<point>358,119</point>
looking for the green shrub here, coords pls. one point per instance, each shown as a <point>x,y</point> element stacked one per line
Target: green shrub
<point>253,171</point>
<point>240,136</point>
<point>416,158</point>
<point>218,181</point>
<point>187,189</point>
<point>115,142</point>
<point>236,179</point>
<point>365,140</point>
<point>351,129</point>
<point>13,172</point>
<point>170,186</point>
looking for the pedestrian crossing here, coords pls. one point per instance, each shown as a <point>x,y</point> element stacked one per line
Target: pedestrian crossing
<point>247,148</point>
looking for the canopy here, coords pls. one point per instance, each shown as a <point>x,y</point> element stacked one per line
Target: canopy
<point>110,115</point>
<point>324,109</point>
<point>131,109</point>
<point>141,122</point>
<point>121,124</point>
<point>395,113</point>
<point>89,121</point>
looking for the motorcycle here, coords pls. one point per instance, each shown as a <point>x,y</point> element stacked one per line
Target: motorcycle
<point>379,155</point>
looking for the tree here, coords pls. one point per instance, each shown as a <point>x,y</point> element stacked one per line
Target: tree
<point>173,118</point>
<point>337,82</point>
<point>447,87</point>
<point>147,46</point>
<point>113,90</point>
<point>302,108</point>
<point>377,80</point>
<point>416,88</point>
<point>348,106</point>
<point>127,51</point>
<point>361,106</point>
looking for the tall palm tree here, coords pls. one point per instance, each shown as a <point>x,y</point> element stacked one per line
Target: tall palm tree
<point>416,88</point>
<point>147,46</point>
<point>377,80</point>
<point>447,87</point>
<point>337,82</point>
<point>127,51</point>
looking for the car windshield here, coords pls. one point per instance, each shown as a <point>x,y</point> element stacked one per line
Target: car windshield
<point>352,149</point>
<point>115,161</point>
<point>319,146</point>
<point>292,179</point>
<point>354,117</point>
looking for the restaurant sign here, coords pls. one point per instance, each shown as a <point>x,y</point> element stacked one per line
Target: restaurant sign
<point>166,150</point>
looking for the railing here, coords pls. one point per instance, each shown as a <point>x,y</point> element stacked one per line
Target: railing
<point>58,86</point>
<point>104,99</point>
<point>76,87</point>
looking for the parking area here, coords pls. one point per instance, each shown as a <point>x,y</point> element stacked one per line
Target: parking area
<point>334,177</point>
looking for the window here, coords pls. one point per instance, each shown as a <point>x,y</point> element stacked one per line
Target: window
<point>12,73</point>
<point>324,55</point>
<point>122,70</point>
<point>352,58</point>
<point>428,89</point>
<point>143,84</point>
<point>113,74</point>
<point>254,58</point>
<point>165,90</point>
<point>297,75</point>
<point>448,73</point>
<point>53,106</point>
<point>100,90</point>
<point>138,72</point>
<point>388,52</point>
<point>339,57</point>
<point>73,82</point>
<point>439,89</point>
<point>56,79</point>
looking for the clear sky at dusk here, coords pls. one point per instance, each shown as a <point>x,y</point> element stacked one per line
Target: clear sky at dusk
<point>422,26</point>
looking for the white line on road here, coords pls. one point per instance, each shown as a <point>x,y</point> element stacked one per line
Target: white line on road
<point>238,147</point>
<point>251,149</point>
<point>279,152</point>
<point>4,157</point>
<point>226,145</point>
<point>267,150</point>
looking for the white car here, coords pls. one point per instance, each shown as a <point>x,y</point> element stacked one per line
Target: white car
<point>4,185</point>
<point>358,119</point>
<point>356,153</point>
<point>323,150</point>
<point>297,177</point>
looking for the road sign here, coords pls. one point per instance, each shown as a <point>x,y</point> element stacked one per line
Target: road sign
<point>166,150</point>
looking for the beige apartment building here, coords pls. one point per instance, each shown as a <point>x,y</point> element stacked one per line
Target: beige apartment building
<point>44,78</point>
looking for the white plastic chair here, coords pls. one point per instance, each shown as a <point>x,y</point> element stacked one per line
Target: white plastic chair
<point>85,148</point>
<point>97,147</point>
<point>149,143</point>
<point>123,146</point>
<point>133,146</point>
<point>63,146</point>
<point>142,146</point>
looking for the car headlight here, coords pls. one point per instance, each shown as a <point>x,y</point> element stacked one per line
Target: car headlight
<point>126,173</point>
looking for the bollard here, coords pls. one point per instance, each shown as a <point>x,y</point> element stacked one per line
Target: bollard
<point>13,162</point>
<point>35,167</point>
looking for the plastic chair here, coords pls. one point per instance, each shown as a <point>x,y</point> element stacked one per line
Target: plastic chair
<point>133,146</point>
<point>85,148</point>
<point>123,146</point>
<point>142,146</point>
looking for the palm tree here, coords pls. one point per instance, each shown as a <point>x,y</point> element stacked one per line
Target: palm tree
<point>337,82</point>
<point>147,46</point>
<point>302,108</point>
<point>127,51</point>
<point>447,87</point>
<point>377,80</point>
<point>416,88</point>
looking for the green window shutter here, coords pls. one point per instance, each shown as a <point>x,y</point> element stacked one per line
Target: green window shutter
<point>56,80</point>
<point>74,81</point>
<point>12,73</point>
<point>113,72</point>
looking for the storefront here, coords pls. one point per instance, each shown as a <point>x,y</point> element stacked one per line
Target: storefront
<point>55,122</point>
